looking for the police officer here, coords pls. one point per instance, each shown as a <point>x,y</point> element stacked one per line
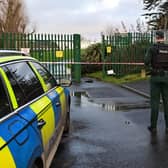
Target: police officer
<point>156,59</point>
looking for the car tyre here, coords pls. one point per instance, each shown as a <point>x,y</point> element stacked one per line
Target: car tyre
<point>67,122</point>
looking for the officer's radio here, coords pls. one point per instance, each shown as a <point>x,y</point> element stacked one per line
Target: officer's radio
<point>160,57</point>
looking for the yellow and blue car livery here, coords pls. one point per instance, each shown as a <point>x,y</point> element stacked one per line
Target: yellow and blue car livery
<point>30,132</point>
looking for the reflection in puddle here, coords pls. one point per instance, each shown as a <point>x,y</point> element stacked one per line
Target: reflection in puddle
<point>79,94</point>
<point>123,107</point>
<point>110,107</point>
<point>83,100</point>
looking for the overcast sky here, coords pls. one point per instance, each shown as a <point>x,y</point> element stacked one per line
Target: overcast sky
<point>87,17</point>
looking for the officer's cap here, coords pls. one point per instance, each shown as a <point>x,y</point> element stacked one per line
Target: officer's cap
<point>159,34</point>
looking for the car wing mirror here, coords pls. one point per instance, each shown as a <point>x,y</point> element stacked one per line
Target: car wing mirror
<point>64,82</point>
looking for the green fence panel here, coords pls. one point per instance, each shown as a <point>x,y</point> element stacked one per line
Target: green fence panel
<point>126,48</point>
<point>57,52</point>
<point>77,67</point>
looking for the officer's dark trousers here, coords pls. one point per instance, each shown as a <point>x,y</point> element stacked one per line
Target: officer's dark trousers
<point>158,89</point>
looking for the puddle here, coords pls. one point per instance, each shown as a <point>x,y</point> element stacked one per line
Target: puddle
<point>123,107</point>
<point>79,94</point>
<point>81,99</point>
<point>109,104</point>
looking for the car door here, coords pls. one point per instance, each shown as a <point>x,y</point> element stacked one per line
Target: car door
<point>56,96</point>
<point>16,133</point>
<point>6,157</point>
<point>28,90</point>
<point>48,83</point>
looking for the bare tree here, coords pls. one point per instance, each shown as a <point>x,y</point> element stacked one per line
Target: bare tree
<point>132,28</point>
<point>124,27</point>
<point>140,26</point>
<point>2,15</point>
<point>13,17</point>
<point>111,30</point>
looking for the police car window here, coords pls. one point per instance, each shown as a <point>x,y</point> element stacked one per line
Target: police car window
<point>25,84</point>
<point>48,78</point>
<point>4,103</point>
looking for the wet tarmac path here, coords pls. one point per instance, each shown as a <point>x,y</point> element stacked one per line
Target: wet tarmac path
<point>108,130</point>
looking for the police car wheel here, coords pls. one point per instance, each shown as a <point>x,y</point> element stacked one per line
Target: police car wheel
<point>67,122</point>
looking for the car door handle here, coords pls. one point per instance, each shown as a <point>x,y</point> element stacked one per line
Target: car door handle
<point>41,123</point>
<point>58,104</point>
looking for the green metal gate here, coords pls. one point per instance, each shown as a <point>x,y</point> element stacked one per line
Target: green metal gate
<point>57,52</point>
<point>124,53</point>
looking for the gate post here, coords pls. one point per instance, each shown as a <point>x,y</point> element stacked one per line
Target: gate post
<point>103,56</point>
<point>77,57</point>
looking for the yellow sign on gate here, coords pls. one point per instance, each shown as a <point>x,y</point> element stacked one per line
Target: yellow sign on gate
<point>59,54</point>
<point>109,49</point>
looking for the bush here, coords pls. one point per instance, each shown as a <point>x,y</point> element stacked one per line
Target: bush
<point>91,54</point>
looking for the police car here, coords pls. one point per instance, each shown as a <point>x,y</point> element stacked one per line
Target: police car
<point>34,112</point>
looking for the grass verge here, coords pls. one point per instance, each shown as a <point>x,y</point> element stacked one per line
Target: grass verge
<point>117,80</point>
